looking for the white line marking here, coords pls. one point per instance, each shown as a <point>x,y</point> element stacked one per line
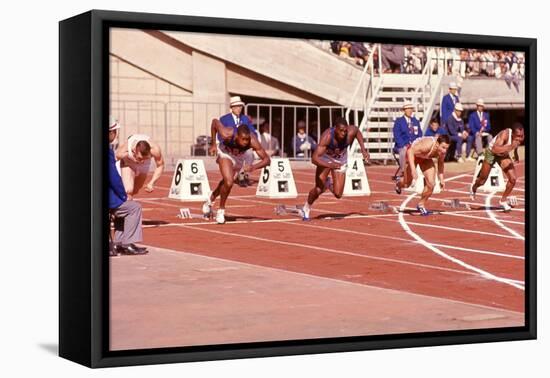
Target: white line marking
<point>336,280</point>
<point>431,247</point>
<point>497,221</point>
<point>460,229</point>
<point>329,250</point>
<point>501,254</point>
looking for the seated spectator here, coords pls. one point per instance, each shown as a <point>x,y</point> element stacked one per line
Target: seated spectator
<point>435,129</point>
<point>359,52</point>
<point>269,143</point>
<point>458,133</point>
<point>480,126</point>
<point>405,130</point>
<point>392,58</point>
<point>302,143</point>
<point>127,213</point>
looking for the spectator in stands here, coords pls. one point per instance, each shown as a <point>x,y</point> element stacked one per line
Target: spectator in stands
<point>359,52</point>
<point>127,213</point>
<point>269,143</point>
<point>302,143</point>
<point>480,126</point>
<point>393,57</point>
<point>458,133</point>
<point>448,103</point>
<point>405,130</point>
<point>435,129</point>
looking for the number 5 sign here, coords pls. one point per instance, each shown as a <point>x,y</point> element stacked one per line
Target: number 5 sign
<point>277,180</point>
<point>190,181</point>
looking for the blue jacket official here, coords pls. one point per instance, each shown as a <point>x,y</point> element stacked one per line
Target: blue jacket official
<point>117,193</point>
<point>474,122</point>
<point>448,106</point>
<point>229,120</point>
<point>404,132</point>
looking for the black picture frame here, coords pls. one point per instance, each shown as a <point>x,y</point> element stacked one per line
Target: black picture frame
<point>83,235</point>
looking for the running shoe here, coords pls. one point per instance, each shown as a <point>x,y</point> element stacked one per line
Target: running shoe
<point>423,211</point>
<point>469,158</point>
<point>304,212</point>
<point>220,216</point>
<point>505,206</point>
<point>472,193</point>
<point>460,160</point>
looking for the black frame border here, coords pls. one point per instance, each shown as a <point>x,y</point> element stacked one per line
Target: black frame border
<point>83,232</point>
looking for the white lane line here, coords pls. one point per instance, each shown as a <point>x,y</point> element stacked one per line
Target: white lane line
<point>461,229</point>
<point>480,218</point>
<point>471,250</point>
<point>497,221</point>
<point>431,247</point>
<point>478,194</point>
<point>329,250</point>
<point>336,280</point>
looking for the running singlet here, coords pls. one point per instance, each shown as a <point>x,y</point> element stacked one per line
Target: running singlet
<point>509,142</point>
<point>337,150</point>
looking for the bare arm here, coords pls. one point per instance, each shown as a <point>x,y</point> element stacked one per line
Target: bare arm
<point>441,170</point>
<point>121,151</point>
<point>361,141</point>
<point>257,147</point>
<point>215,128</point>
<point>500,149</point>
<point>159,162</point>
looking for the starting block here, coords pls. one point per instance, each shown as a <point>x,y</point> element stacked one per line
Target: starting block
<point>284,209</point>
<point>185,213</point>
<point>456,204</point>
<point>382,206</point>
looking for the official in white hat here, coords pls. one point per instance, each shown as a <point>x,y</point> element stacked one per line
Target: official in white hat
<point>480,126</point>
<point>405,130</point>
<point>448,103</point>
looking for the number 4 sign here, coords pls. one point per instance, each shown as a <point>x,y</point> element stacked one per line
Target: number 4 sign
<point>277,180</point>
<point>357,183</point>
<point>190,181</point>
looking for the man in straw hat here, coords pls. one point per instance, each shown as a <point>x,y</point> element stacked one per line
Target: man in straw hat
<point>480,126</point>
<point>405,130</point>
<point>234,119</point>
<point>128,213</point>
<point>458,133</point>
<point>448,103</point>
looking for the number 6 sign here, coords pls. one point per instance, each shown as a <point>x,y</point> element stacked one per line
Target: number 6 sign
<point>190,181</point>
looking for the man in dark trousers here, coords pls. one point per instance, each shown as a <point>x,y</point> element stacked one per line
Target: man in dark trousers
<point>127,213</point>
<point>448,103</point>
<point>459,134</point>
<point>479,124</point>
<point>405,130</point>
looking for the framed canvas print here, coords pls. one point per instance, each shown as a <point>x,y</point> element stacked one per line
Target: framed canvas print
<point>236,188</point>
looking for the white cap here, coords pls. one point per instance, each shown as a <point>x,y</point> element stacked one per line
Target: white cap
<point>452,85</point>
<point>480,102</point>
<point>408,105</point>
<point>113,123</point>
<point>235,101</point>
<point>458,106</point>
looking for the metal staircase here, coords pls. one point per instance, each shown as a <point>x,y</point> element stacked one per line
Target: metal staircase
<point>383,96</point>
